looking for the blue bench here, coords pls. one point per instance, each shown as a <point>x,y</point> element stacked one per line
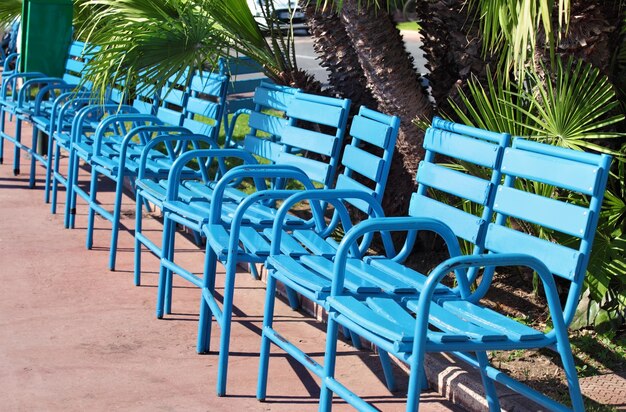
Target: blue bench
<point>118,141</point>
<point>266,121</point>
<point>411,313</point>
<point>237,231</point>
<point>37,90</point>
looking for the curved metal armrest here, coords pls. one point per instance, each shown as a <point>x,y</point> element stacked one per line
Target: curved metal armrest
<point>259,173</point>
<point>335,197</point>
<point>231,126</point>
<point>104,124</point>
<point>128,137</point>
<point>168,138</point>
<point>395,224</point>
<point>489,260</point>
<point>69,92</point>
<point>13,77</point>
<point>174,176</point>
<point>24,91</point>
<point>82,115</point>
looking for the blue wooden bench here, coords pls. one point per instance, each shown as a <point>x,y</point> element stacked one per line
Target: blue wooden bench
<point>237,229</point>
<point>266,121</point>
<point>116,147</point>
<point>37,90</point>
<point>427,316</point>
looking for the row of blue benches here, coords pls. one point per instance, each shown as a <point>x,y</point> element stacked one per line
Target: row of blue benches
<point>167,142</point>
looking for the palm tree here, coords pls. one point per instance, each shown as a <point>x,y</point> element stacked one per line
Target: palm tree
<point>345,74</point>
<point>395,85</point>
<point>146,41</point>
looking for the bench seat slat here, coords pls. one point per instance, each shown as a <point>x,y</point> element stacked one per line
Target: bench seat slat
<point>353,283</point>
<point>406,275</point>
<point>488,318</point>
<point>291,269</point>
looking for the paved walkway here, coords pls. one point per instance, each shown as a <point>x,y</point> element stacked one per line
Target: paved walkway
<point>75,336</point>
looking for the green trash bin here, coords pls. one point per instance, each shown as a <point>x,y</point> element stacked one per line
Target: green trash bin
<point>46,35</point>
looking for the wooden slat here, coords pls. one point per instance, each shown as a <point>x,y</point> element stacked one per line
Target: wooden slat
<point>454,182</point>
<point>406,275</point>
<point>463,224</point>
<point>309,140</point>
<point>563,217</point>
<point>315,112</point>
<point>324,267</point>
<point>554,171</point>
<point>315,170</point>
<point>262,147</point>
<point>561,260</point>
<point>371,131</point>
<point>345,182</point>
<point>362,162</point>
<point>490,319</point>
<point>291,269</point>
<point>267,123</point>
<point>461,147</point>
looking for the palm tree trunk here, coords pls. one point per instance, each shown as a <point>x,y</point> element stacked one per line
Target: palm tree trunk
<point>452,43</point>
<point>337,55</point>
<point>394,83</point>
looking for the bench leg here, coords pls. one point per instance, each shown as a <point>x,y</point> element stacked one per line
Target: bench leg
<point>326,395</point>
<point>571,375</point>
<point>490,388</point>
<point>268,321</point>
<point>117,214</point>
<point>49,167</point>
<point>227,314</point>
<point>169,228</point>
<point>206,315</point>
<point>16,149</point>
<point>93,193</point>
<point>385,362</point>
<point>138,229</point>
<point>33,161</point>
<point>2,120</point>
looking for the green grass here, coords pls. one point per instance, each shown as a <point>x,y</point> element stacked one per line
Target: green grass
<point>409,26</point>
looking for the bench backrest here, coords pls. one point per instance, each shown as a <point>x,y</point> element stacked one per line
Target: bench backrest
<point>367,158</point>
<point>78,56</point>
<point>206,103</point>
<point>316,125</point>
<point>571,188</point>
<point>460,197</point>
<point>267,119</point>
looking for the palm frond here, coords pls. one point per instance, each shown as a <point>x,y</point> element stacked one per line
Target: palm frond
<point>9,10</point>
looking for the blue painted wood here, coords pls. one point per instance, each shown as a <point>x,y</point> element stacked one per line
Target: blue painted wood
<point>436,318</point>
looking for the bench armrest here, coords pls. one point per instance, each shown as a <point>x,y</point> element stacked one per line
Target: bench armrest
<point>174,176</point>
<point>336,198</point>
<point>491,260</point>
<point>168,139</point>
<point>231,125</point>
<point>396,224</point>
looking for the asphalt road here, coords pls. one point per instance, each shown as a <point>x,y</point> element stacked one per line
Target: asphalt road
<point>307,58</point>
